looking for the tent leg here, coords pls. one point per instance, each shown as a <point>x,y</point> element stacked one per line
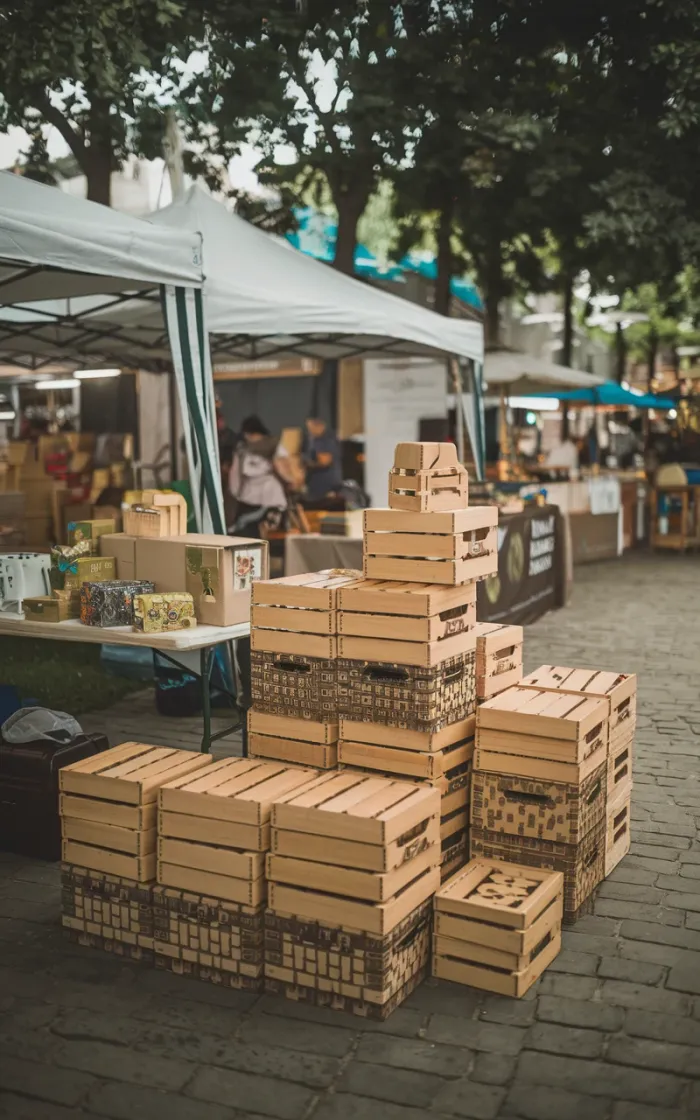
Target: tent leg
<point>172,421</point>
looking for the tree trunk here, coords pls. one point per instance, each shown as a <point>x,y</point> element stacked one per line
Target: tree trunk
<point>492,284</point>
<point>444,258</point>
<point>350,205</point>
<point>567,344</point>
<point>652,352</point>
<point>620,353</point>
<point>98,153</point>
<point>492,320</point>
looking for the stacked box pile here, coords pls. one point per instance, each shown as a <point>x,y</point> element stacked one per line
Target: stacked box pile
<point>497,926</point>
<point>109,829</point>
<point>499,658</point>
<point>213,834</point>
<point>619,692</point>
<point>408,638</point>
<point>539,786</point>
<point>352,871</point>
<point>294,648</point>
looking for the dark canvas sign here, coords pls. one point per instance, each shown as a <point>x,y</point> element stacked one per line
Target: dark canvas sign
<point>530,577</point>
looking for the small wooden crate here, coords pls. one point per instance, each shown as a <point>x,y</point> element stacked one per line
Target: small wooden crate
<point>547,810</point>
<point>619,689</point>
<point>339,967</point>
<point>497,926</point>
<point>425,742</point>
<point>108,807</point>
<point>403,763</point>
<point>402,546</point>
<point>427,476</point>
<point>618,828</point>
<point>543,725</point>
<point>499,658</point>
<point>407,696</point>
<point>455,853</point>
<point>231,803</point>
<point>582,865</point>
<point>283,739</point>
<point>295,685</point>
<point>209,933</point>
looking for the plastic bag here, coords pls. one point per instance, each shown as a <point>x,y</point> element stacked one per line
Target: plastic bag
<point>29,724</point>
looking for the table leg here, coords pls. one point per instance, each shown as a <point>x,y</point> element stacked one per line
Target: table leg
<point>206,658</point>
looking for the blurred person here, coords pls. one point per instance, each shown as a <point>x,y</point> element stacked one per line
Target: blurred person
<point>259,478</point>
<point>322,459</point>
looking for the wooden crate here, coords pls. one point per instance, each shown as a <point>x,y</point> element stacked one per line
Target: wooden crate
<point>422,603</point>
<point>499,658</point>
<point>350,853</point>
<point>567,728</point>
<point>453,823</point>
<point>455,853</point>
<point>560,811</point>
<point>428,490</point>
<point>618,827</point>
<point>209,932</point>
<point>406,763</point>
<point>130,774</point>
<point>368,886</point>
<point>283,643</point>
<point>497,926</point>
<point>296,685</point>
<point>213,970</point>
<point>321,756</point>
<point>619,689</point>
<point>426,742</point>
<point>582,864</point>
<point>619,768</point>
<point>407,696</point>
<point>287,727</point>
<point>437,628</point>
<point>312,591</point>
<point>131,841</point>
<point>425,654</point>
<point>421,555</point>
<point>540,769</point>
<point>342,967</point>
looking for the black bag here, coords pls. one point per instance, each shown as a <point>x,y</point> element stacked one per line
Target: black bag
<point>29,820</point>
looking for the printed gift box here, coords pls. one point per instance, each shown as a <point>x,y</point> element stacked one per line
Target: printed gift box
<point>110,603</point>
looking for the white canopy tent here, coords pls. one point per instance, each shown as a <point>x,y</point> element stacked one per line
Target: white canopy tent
<point>519,374</point>
<point>61,255</point>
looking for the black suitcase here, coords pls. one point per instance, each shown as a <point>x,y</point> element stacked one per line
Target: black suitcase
<point>29,821</point>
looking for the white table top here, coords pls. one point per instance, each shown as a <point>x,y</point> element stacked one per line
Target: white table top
<point>73,630</point>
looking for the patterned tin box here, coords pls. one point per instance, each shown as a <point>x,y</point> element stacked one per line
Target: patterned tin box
<point>110,603</point>
<point>173,610</point>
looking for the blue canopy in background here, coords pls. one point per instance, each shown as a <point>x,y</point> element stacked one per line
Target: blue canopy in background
<point>613,395</point>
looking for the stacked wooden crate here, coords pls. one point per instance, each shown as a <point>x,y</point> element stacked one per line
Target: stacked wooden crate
<point>497,926</point>
<point>539,785</point>
<point>213,834</point>
<point>407,638</point>
<point>619,691</point>
<point>499,658</point>
<point>294,648</point>
<point>108,823</point>
<point>352,871</point>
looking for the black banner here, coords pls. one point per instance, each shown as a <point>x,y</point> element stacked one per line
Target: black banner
<point>531,568</point>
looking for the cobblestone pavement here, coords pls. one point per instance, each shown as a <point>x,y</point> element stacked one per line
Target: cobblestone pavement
<point>611,1032</point>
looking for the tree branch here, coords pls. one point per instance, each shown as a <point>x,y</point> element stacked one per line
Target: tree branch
<point>55,117</point>
<point>326,119</point>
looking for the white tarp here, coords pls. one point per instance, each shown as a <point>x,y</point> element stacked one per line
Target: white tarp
<point>520,374</point>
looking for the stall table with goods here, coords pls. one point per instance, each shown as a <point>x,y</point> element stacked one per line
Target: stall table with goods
<point>392,737</point>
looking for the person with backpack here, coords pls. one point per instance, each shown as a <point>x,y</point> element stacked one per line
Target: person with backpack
<point>259,479</point>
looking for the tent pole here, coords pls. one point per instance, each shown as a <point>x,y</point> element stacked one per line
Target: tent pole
<point>172,423</point>
<point>457,390</point>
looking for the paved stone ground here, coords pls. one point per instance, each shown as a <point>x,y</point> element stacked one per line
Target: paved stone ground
<point>611,1032</point>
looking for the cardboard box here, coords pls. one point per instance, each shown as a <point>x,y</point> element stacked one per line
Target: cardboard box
<point>85,569</point>
<point>45,608</point>
<point>219,575</point>
<point>123,548</point>
<point>89,530</point>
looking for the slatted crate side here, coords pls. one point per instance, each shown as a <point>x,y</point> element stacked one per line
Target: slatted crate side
<point>427,742</point>
<point>139,868</point>
<point>480,565</point>
<point>320,756</point>
<point>131,773</point>
<point>286,727</point>
<point>620,760</point>
<point>408,763</point>
<point>582,865</point>
<point>559,811</point>
<point>283,643</point>
<point>137,842</point>
<point>505,756</point>
<point>415,601</point>
<point>368,886</point>
<point>407,628</point>
<point>618,828</point>
<point>428,491</point>
<point>239,791</point>
<point>565,717</point>
<point>297,620</point>
<point>311,590</point>
<point>250,891</point>
<point>492,979</point>
<point>137,817</point>
<point>619,689</point>
<point>428,655</point>
<point>183,826</point>
<point>350,853</point>
<point>207,857</point>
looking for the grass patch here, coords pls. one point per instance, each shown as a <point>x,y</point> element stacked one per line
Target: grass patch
<point>67,676</point>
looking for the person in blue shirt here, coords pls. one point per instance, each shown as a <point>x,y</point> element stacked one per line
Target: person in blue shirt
<point>322,460</point>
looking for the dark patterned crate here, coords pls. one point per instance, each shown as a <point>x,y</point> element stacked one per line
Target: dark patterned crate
<point>408,696</point>
<point>582,864</point>
<point>107,943</point>
<point>336,967</point>
<point>455,853</point>
<point>209,973</point>
<point>202,925</point>
<point>106,900</point>
<point>304,687</point>
<point>563,812</point>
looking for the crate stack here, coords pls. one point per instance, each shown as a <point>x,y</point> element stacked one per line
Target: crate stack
<point>619,692</point>
<point>499,658</point>
<point>352,870</point>
<point>539,787</point>
<point>497,926</point>
<point>213,836</point>
<point>294,650</point>
<point>407,635</point>
<point>109,829</point>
